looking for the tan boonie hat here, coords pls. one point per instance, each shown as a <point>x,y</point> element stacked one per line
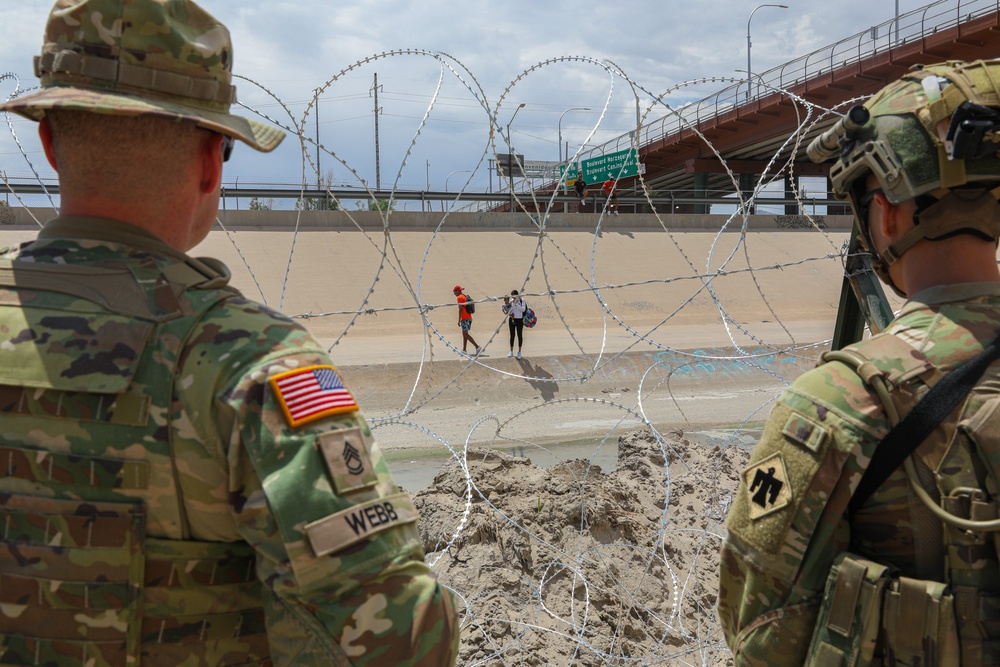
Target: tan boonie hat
<point>166,58</point>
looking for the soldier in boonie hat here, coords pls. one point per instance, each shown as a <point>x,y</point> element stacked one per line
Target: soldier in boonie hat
<point>187,471</point>
<point>165,58</point>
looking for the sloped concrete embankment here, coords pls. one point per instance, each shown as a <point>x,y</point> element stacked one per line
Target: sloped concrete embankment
<point>569,398</point>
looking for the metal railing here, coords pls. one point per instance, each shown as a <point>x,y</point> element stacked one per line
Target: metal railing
<point>233,194</point>
<point>911,26</point>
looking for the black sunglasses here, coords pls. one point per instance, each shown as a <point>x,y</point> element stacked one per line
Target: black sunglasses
<point>864,201</point>
<point>227,147</point>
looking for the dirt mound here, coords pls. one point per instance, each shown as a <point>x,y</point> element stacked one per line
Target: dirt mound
<point>571,565</point>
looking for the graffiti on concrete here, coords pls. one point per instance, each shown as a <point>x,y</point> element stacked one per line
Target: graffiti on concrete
<point>642,306</point>
<point>800,222</point>
<point>714,362</point>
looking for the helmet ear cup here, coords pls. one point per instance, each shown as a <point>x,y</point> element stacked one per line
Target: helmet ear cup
<point>972,132</point>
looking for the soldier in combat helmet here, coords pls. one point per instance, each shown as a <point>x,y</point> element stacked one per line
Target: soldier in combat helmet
<point>184,477</point>
<point>819,566</point>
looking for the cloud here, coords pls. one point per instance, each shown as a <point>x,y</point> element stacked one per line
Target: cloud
<point>292,47</point>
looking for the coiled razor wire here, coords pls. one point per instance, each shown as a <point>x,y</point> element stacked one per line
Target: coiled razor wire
<point>544,609</point>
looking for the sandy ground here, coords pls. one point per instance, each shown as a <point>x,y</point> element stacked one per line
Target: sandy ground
<point>575,565</point>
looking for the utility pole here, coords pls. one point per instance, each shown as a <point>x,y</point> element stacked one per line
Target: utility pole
<point>511,157</point>
<point>378,110</point>
<point>318,172</point>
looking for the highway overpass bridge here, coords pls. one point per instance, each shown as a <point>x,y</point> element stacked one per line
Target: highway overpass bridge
<point>750,129</point>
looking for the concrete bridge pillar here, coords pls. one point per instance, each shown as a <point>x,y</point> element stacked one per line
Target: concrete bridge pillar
<point>701,190</point>
<point>791,187</point>
<point>746,188</point>
<point>835,209</point>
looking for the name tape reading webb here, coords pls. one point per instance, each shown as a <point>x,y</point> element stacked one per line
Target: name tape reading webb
<point>343,529</point>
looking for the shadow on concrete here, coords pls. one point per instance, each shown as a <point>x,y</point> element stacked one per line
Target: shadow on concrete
<point>539,379</point>
<point>609,225</point>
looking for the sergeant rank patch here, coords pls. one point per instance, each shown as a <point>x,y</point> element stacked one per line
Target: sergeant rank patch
<point>311,393</point>
<point>767,487</point>
<point>347,460</point>
<point>805,432</point>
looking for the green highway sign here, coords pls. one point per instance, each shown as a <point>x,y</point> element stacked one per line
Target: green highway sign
<point>612,166</point>
<point>571,176</point>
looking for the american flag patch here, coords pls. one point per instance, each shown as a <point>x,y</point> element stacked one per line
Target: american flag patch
<point>311,393</point>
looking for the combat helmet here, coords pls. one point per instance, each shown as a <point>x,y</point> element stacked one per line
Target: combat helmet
<point>932,137</point>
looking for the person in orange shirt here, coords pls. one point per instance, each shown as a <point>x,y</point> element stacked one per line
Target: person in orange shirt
<point>610,189</point>
<point>465,321</point>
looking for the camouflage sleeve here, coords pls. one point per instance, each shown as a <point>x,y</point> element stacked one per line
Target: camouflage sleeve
<point>337,542</point>
<point>787,524</point>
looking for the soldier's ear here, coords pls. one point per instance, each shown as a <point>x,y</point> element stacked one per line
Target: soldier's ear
<point>210,159</point>
<point>880,216</point>
<point>45,134</point>
<point>893,220</point>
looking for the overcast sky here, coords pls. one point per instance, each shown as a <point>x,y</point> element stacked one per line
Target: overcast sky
<point>291,48</point>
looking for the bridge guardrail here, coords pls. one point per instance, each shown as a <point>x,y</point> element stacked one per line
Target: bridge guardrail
<point>913,25</point>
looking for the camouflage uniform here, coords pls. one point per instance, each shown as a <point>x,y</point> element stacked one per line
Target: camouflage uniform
<point>141,406</point>
<point>184,479</point>
<point>787,524</point>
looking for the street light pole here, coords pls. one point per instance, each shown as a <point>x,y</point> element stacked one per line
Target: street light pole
<point>457,171</point>
<point>749,75</point>
<point>560,129</point>
<point>510,144</point>
<point>510,156</point>
<point>896,24</point>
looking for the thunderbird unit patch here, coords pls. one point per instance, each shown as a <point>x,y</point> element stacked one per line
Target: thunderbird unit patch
<point>766,485</point>
<point>311,393</point>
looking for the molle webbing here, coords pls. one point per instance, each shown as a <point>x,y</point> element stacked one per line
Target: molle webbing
<point>978,616</point>
<point>90,560</point>
<point>847,627</point>
<point>926,622</point>
<point>125,409</point>
<point>49,468</point>
<point>83,583</point>
<point>918,622</point>
<point>202,596</point>
<point>117,289</point>
<point>870,615</point>
<point>114,289</point>
<point>71,587</point>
